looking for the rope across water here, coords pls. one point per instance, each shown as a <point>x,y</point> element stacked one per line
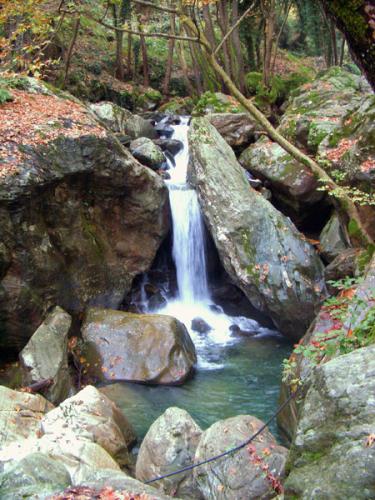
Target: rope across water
<point>230,451</point>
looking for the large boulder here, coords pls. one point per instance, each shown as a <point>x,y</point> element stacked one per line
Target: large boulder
<point>120,120</point>
<point>20,415</point>
<point>291,182</point>
<point>90,415</point>
<point>79,216</point>
<point>169,445</point>
<point>45,357</point>
<point>262,251</point>
<point>148,153</point>
<point>333,238</point>
<point>245,474</point>
<point>149,348</point>
<point>35,476</point>
<point>238,129</point>
<point>333,454</point>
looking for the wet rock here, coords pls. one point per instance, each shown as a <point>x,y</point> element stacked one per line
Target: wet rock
<point>170,444</point>
<point>120,120</point>
<point>329,455</point>
<point>200,325</point>
<point>78,222</point>
<point>238,476</point>
<point>333,239</point>
<point>261,250</point>
<point>147,153</point>
<point>20,415</point>
<point>153,349</point>
<point>174,146</point>
<point>238,129</point>
<point>239,332</point>
<point>45,357</point>
<point>91,416</point>
<point>35,476</point>
<point>164,130</point>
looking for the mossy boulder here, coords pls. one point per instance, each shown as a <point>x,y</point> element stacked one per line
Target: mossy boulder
<point>238,129</point>
<point>79,216</point>
<point>147,153</point>
<point>332,455</point>
<point>178,106</point>
<point>289,180</point>
<point>315,110</point>
<point>216,102</point>
<point>262,251</point>
<point>333,239</point>
<point>154,348</point>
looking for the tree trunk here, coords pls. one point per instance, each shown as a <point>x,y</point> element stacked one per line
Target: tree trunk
<point>269,14</point>
<point>146,72</point>
<point>119,72</point>
<point>69,54</point>
<point>185,70</point>
<point>356,21</point>
<point>237,49</point>
<point>171,45</point>
<point>129,64</point>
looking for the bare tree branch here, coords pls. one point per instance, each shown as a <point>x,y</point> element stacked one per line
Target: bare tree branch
<point>234,27</point>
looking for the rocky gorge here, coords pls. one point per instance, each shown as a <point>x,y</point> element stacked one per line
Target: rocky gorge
<point>84,218</point>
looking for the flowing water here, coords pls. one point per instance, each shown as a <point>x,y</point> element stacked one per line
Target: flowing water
<point>234,375</point>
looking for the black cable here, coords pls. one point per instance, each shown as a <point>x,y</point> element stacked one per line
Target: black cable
<point>228,452</point>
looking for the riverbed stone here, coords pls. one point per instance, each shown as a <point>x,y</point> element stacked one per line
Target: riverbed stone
<point>20,415</point>
<point>91,416</point>
<point>238,476</point>
<point>149,348</point>
<point>35,476</point>
<point>169,445</point>
<point>147,153</point>
<point>262,251</point>
<point>122,121</point>
<point>333,454</point>
<point>238,129</point>
<point>79,220</point>
<point>45,357</point>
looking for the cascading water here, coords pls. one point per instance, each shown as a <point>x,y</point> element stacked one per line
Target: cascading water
<point>193,298</point>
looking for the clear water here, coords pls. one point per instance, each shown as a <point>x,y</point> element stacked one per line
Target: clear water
<point>234,375</point>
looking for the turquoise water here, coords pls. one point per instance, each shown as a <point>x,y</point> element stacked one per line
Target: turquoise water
<point>247,383</point>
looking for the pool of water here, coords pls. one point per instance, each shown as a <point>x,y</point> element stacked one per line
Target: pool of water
<point>247,382</point>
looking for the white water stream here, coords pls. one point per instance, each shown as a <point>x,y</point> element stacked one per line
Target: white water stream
<point>193,298</point>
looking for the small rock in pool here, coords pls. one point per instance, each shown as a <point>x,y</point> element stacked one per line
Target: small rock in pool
<point>200,325</point>
<point>238,332</point>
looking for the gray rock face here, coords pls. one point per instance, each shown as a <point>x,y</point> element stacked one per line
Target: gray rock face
<point>147,153</point>
<point>119,481</point>
<point>46,356</point>
<point>333,240</point>
<point>20,415</point>
<point>120,120</point>
<point>331,457</point>
<point>35,476</point>
<point>149,348</point>
<point>90,415</point>
<point>238,476</point>
<point>291,182</point>
<point>79,220</point>
<point>169,445</point>
<point>261,250</point>
<point>238,129</point>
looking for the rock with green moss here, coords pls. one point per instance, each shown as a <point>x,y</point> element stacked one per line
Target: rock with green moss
<point>79,219</point>
<point>148,153</point>
<point>333,239</point>
<point>316,109</point>
<point>178,106</point>
<point>290,181</point>
<point>147,101</point>
<point>332,455</point>
<point>261,249</point>
<point>122,121</point>
<point>153,348</point>
<point>35,476</point>
<point>216,102</point>
<point>45,357</point>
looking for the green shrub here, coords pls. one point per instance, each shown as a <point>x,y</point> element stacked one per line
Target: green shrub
<point>5,95</point>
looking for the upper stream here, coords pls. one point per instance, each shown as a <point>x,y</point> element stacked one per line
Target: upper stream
<point>234,375</point>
